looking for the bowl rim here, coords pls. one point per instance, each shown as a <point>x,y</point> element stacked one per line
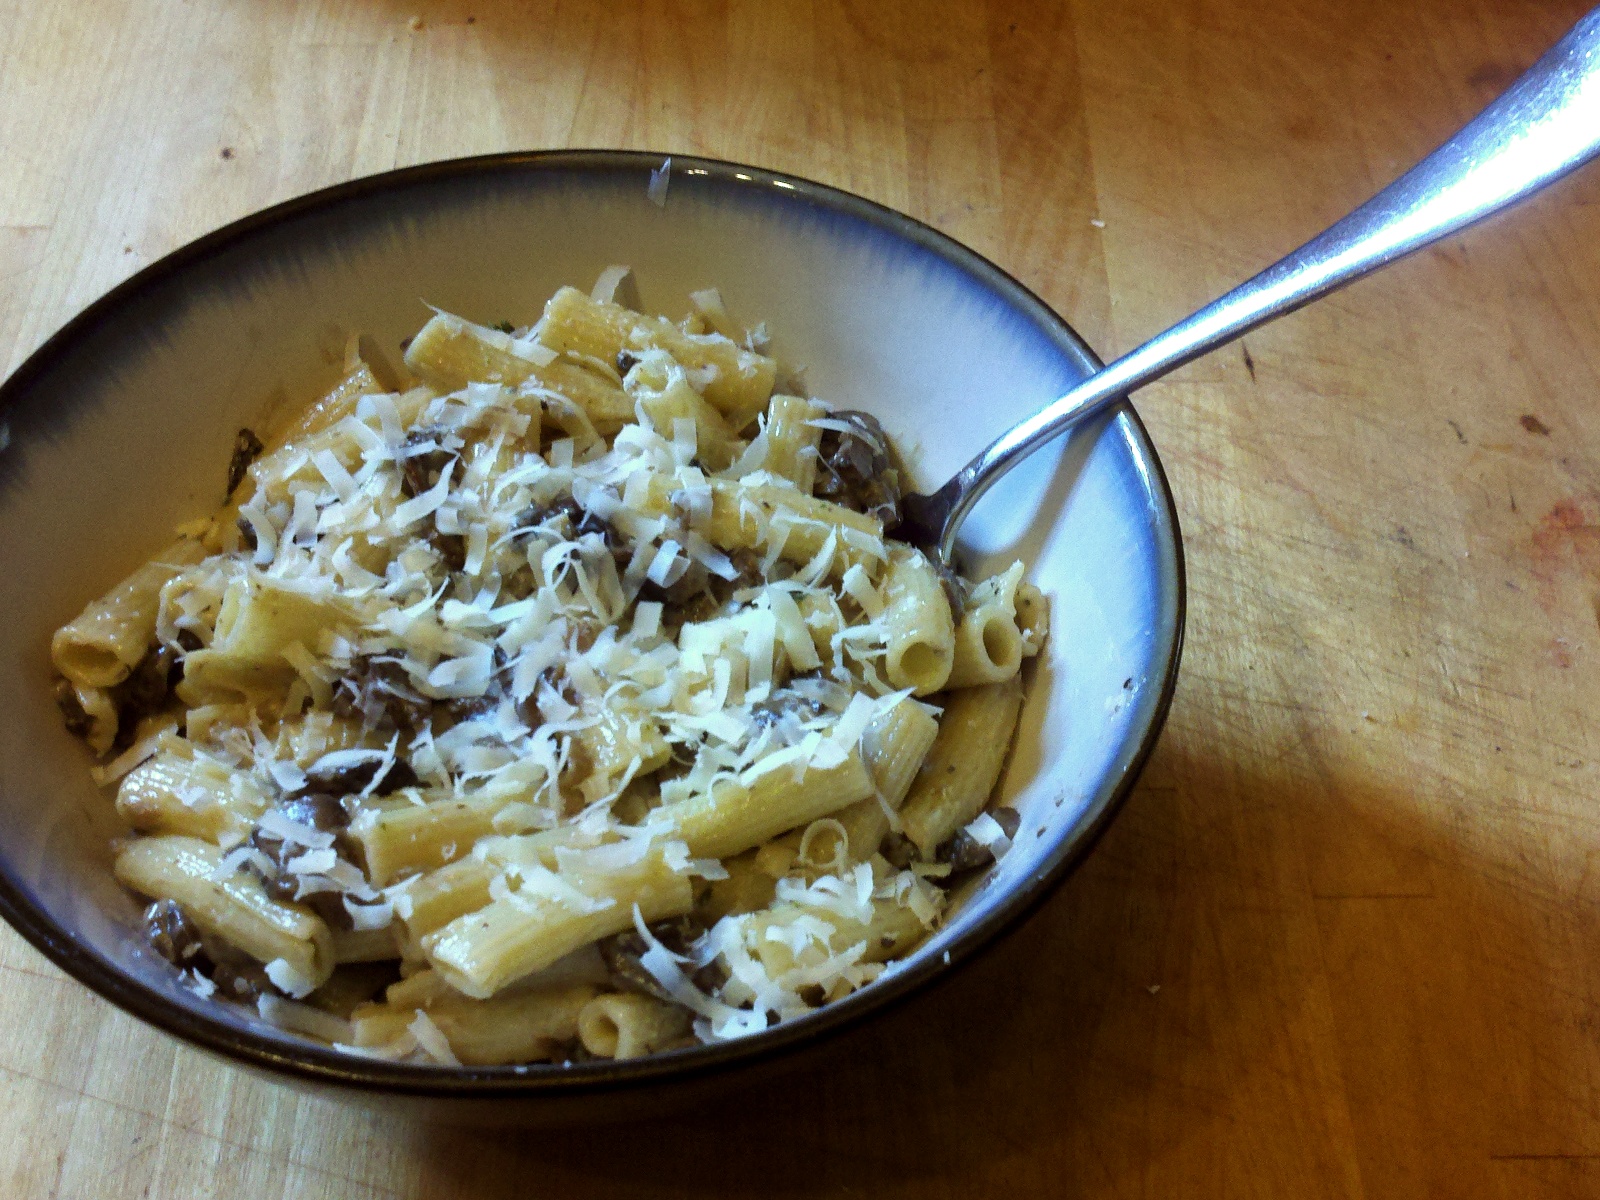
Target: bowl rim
<point>331,1068</point>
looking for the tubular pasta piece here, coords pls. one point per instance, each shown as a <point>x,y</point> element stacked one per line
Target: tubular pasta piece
<point>235,909</point>
<point>104,642</point>
<point>918,631</point>
<point>479,954</point>
<point>964,765</point>
<point>627,1025</point>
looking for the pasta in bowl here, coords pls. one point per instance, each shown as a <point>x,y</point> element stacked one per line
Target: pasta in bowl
<point>564,695</point>
<point>121,426</point>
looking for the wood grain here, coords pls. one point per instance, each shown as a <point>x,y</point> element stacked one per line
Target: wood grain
<point>1342,942</point>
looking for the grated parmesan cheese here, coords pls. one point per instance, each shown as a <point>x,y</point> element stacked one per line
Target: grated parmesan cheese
<point>432,1040</point>
<point>486,605</point>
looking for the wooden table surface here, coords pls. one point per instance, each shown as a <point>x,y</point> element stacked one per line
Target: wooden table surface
<point>1342,942</point>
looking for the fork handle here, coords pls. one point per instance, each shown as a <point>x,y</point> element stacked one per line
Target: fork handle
<point>1546,124</point>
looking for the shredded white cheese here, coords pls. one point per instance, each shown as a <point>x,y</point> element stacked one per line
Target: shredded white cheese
<point>531,629</point>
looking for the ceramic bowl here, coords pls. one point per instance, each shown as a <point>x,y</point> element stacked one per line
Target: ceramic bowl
<point>121,426</point>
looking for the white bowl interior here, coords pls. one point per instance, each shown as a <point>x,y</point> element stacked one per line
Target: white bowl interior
<point>130,434</point>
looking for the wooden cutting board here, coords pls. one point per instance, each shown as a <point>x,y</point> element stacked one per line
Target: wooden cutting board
<point>1343,940</point>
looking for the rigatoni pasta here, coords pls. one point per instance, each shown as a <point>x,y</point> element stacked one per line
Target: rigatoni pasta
<point>564,696</point>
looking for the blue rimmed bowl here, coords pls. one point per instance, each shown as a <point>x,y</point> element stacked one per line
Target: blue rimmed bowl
<point>121,427</point>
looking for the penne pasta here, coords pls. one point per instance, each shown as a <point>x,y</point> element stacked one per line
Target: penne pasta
<point>465,886</point>
<point>750,884</point>
<point>514,1028</point>
<point>103,643</point>
<point>557,700</point>
<point>442,895</point>
<point>533,925</point>
<point>194,795</point>
<point>964,764</point>
<point>792,438</point>
<point>919,634</point>
<point>889,930</point>
<point>667,399</point>
<point>365,945</point>
<point>449,353</point>
<point>894,746</point>
<point>989,643</point>
<point>618,745</point>
<point>737,381</point>
<point>733,816</point>
<point>1033,617</point>
<point>260,618</point>
<point>404,837</point>
<point>759,515</point>
<point>340,402</point>
<point>230,903</point>
<point>625,1025</point>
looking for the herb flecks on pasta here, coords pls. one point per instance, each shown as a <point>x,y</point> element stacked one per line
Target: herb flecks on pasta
<point>568,700</point>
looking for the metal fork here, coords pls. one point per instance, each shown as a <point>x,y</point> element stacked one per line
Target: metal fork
<point>1546,124</point>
